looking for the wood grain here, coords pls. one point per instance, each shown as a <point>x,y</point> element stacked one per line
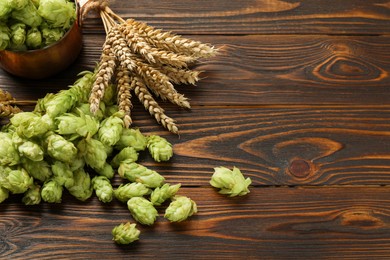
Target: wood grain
<point>255,70</point>
<point>257,16</point>
<point>277,223</point>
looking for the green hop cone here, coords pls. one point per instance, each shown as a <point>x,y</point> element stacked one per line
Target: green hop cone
<point>93,152</point>
<point>180,209</point>
<point>5,35</point>
<point>27,15</point>
<point>32,195</point>
<point>8,153</point>
<point>82,187</point>
<point>85,109</point>
<point>40,170</point>
<point>18,34</point>
<point>107,171</point>
<point>131,138</point>
<point>125,233</point>
<point>83,125</point>
<point>62,174</point>
<point>66,100</point>
<point>16,181</point>
<point>34,38</point>
<point>135,172</point>
<point>51,192</point>
<point>31,151</point>
<point>60,149</point>
<point>230,182</point>
<point>142,210</point>
<point>4,194</point>
<point>129,190</point>
<point>29,124</point>
<point>111,129</point>
<point>126,154</point>
<point>103,188</point>
<point>58,13</point>
<point>77,163</point>
<point>159,148</point>
<point>161,194</point>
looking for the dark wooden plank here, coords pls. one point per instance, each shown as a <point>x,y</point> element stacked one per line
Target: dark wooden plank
<point>253,70</point>
<point>293,146</point>
<point>277,223</point>
<point>257,16</point>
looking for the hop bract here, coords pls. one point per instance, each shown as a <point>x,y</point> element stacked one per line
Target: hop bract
<point>125,233</point>
<point>230,182</point>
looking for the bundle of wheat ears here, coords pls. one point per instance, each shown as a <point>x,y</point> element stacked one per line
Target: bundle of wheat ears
<point>7,104</point>
<point>146,62</point>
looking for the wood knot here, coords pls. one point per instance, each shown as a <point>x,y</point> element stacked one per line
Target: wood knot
<point>300,168</point>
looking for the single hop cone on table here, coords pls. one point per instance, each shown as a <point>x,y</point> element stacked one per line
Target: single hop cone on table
<point>103,188</point>
<point>230,182</point>
<point>180,209</point>
<point>129,190</point>
<point>142,210</point>
<point>159,148</point>
<point>144,62</point>
<point>125,233</point>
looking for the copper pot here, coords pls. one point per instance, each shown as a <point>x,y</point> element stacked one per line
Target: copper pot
<point>48,61</point>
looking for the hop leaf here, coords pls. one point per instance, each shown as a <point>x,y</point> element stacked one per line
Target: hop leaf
<point>180,209</point>
<point>135,172</point>
<point>125,233</point>
<point>161,194</point>
<point>103,188</point>
<point>230,182</point>
<point>129,190</point>
<point>51,192</point>
<point>159,148</point>
<point>142,210</point>
<point>32,196</point>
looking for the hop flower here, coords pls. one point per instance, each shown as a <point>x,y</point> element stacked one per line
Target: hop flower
<point>230,182</point>
<point>93,152</point>
<point>60,149</point>
<point>135,172</point>
<point>33,38</point>
<point>40,170</point>
<point>161,194</point>
<point>5,34</point>
<point>16,181</point>
<point>51,192</point>
<point>8,154</point>
<point>82,187</point>
<point>111,129</point>
<point>125,233</point>
<point>103,188</point>
<point>180,209</point>
<point>59,13</point>
<point>4,194</point>
<point>159,148</point>
<point>126,154</point>
<point>29,124</point>
<point>28,15</point>
<point>131,138</point>
<point>107,171</point>
<point>31,151</point>
<point>62,174</point>
<point>82,125</point>
<point>32,196</point>
<point>142,210</point>
<point>129,190</point>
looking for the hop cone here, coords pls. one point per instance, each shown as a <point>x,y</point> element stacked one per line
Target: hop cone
<point>8,154</point>
<point>126,154</point>
<point>129,190</point>
<point>161,194</point>
<point>82,187</point>
<point>94,152</point>
<point>180,209</point>
<point>82,125</point>
<point>107,171</point>
<point>60,149</point>
<point>131,138</point>
<point>51,192</point>
<point>32,196</point>
<point>40,170</point>
<point>4,194</point>
<point>230,182</point>
<point>142,210</point>
<point>125,233</point>
<point>111,129</point>
<point>62,174</point>
<point>31,151</point>
<point>103,188</point>
<point>159,148</point>
<point>16,181</point>
<point>135,172</point>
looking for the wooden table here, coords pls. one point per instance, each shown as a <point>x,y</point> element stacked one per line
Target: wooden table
<point>298,99</point>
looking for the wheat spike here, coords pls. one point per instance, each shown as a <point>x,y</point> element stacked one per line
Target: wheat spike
<point>180,76</point>
<point>124,86</point>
